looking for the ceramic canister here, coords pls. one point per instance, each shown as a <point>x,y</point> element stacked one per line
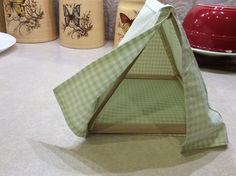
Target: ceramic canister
<point>126,13</point>
<point>2,20</point>
<point>30,21</point>
<point>81,23</point>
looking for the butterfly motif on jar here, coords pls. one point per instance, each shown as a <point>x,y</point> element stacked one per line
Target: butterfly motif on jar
<point>14,6</point>
<point>73,17</point>
<point>125,23</point>
<point>23,16</point>
<point>75,23</point>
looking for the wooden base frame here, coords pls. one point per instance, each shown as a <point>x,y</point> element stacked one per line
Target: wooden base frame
<point>139,128</point>
<point>151,77</point>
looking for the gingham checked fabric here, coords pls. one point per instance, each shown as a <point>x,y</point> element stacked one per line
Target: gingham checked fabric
<point>145,102</point>
<point>78,96</point>
<point>148,62</point>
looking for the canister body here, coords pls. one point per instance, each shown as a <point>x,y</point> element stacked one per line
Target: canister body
<point>2,19</point>
<point>81,23</point>
<point>30,21</point>
<point>126,13</point>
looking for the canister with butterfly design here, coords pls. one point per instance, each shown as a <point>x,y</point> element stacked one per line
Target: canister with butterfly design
<point>30,21</point>
<point>2,19</point>
<point>126,13</point>
<point>81,23</point>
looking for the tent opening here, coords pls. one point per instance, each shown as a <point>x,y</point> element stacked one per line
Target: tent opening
<point>148,97</point>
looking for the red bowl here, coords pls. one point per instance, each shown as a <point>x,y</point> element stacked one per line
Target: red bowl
<point>211,27</point>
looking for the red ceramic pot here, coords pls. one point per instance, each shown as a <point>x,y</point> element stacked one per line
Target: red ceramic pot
<point>211,27</point>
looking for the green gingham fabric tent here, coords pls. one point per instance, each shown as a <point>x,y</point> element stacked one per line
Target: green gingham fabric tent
<point>150,83</point>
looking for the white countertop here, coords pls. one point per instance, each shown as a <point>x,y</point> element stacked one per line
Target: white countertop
<point>35,140</point>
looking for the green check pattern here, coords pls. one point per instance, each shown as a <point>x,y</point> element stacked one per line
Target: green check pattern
<point>79,96</point>
<point>144,102</point>
<point>148,62</point>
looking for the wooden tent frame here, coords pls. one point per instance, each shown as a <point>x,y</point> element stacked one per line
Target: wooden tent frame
<point>141,128</point>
